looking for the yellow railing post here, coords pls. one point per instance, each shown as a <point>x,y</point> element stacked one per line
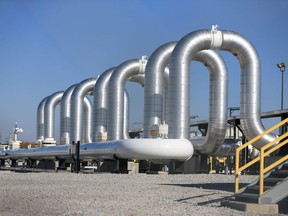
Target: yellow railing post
<point>237,171</point>
<point>261,177</point>
<point>211,163</point>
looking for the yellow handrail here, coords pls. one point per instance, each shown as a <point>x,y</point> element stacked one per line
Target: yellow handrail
<point>239,169</point>
<point>263,154</point>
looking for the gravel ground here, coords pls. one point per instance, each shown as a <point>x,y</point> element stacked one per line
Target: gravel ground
<point>65,193</point>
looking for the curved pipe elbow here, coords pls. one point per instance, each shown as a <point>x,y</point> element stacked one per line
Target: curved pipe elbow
<point>140,79</point>
<point>218,104</point>
<point>77,100</point>
<point>154,86</point>
<point>186,48</point>
<point>116,91</point>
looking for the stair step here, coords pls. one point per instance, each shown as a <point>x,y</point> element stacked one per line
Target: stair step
<point>271,181</point>
<point>247,197</point>
<point>285,166</point>
<point>280,173</point>
<point>255,189</point>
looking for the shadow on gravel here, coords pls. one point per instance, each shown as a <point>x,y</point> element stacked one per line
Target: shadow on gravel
<point>194,197</point>
<point>205,202</point>
<point>211,186</point>
<point>214,201</point>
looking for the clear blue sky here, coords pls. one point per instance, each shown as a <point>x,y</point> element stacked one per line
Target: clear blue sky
<point>48,45</point>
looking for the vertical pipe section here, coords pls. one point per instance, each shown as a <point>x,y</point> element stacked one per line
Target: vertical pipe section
<point>77,100</point>
<point>49,113</point>
<point>165,102</point>
<point>65,115</point>
<point>116,95</point>
<point>140,79</point>
<point>153,92</point>
<point>40,120</point>
<point>100,107</point>
<point>250,103</point>
<point>87,121</point>
<point>179,81</point>
<point>126,116</point>
<point>217,123</point>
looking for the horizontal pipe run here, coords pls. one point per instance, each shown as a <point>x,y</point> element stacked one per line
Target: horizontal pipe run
<point>140,149</point>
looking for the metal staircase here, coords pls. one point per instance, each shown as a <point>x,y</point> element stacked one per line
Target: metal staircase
<point>272,185</point>
<point>275,187</point>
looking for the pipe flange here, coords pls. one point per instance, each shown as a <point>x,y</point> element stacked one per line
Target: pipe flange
<point>143,62</point>
<point>216,37</point>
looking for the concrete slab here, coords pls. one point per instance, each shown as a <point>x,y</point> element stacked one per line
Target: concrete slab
<point>252,207</point>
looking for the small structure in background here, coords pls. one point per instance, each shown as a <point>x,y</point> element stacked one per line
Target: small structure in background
<point>14,143</point>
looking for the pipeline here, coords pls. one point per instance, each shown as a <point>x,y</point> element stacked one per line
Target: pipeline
<point>87,121</point>
<point>140,79</point>
<point>52,101</point>
<point>65,115</point>
<point>116,92</point>
<point>49,115</point>
<point>100,107</point>
<point>77,98</point>
<point>166,83</point>
<point>126,115</point>
<point>155,77</point>
<point>140,149</point>
<point>180,55</point>
<point>179,82</point>
<point>217,123</point>
<point>40,120</point>
<point>153,92</point>
<point>212,143</point>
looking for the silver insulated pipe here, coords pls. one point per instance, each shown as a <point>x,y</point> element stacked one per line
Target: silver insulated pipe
<point>217,124</point>
<point>179,81</point>
<point>154,84</point>
<point>77,100</point>
<point>40,120</point>
<point>212,143</point>
<point>126,115</point>
<point>65,115</point>
<point>166,83</point>
<point>87,121</point>
<point>116,91</point>
<point>156,75</point>
<point>140,79</point>
<point>49,114</point>
<point>100,107</point>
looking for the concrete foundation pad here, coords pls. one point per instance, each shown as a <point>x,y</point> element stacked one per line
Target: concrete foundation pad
<point>252,207</point>
<point>157,173</point>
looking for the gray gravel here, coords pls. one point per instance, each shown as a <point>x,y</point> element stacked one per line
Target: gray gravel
<point>115,194</point>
